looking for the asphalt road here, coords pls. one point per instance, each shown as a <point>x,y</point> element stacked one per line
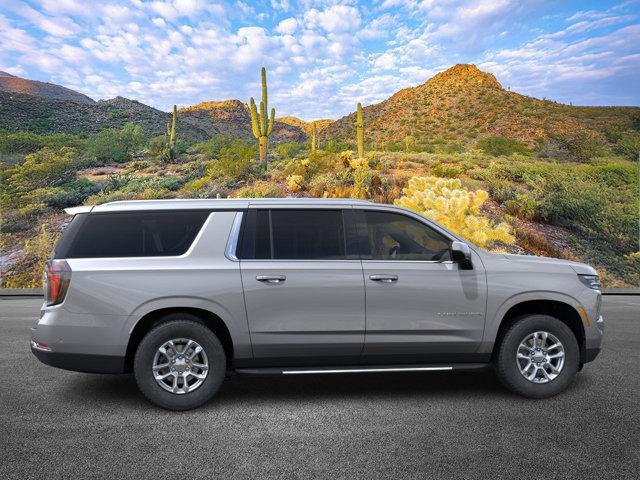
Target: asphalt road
<point>56,424</point>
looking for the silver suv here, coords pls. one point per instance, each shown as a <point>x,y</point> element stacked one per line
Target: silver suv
<point>182,291</point>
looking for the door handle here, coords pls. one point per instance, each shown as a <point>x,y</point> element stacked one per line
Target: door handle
<point>384,278</point>
<point>271,278</point>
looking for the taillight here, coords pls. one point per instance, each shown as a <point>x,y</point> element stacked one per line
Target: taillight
<point>57,275</point>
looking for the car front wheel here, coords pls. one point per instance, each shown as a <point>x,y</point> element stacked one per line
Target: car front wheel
<point>538,356</point>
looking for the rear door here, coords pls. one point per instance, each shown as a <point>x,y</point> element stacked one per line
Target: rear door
<point>303,286</point>
<point>420,306</point>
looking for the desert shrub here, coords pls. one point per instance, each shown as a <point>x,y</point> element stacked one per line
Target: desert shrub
<point>42,169</point>
<point>40,125</point>
<point>629,146</point>
<point>260,189</point>
<point>116,145</point>
<point>67,195</point>
<point>37,251</point>
<point>295,183</point>
<point>447,202</point>
<point>581,146</point>
<point>498,146</point>
<point>598,201</point>
<point>157,145</point>
<point>447,170</point>
<point>233,160</point>
<point>28,142</point>
<point>523,206</point>
<point>211,148</point>
<point>336,146</point>
<point>288,150</point>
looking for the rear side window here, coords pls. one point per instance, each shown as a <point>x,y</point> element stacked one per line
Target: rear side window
<point>310,234</point>
<point>131,234</point>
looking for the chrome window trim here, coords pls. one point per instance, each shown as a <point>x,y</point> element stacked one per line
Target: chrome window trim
<point>232,242</point>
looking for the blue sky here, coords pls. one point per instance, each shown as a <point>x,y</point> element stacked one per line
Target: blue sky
<point>321,56</point>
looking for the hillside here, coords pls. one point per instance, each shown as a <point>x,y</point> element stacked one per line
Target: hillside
<point>16,85</point>
<point>20,111</point>
<point>232,118</point>
<point>48,115</point>
<point>305,126</point>
<point>464,103</point>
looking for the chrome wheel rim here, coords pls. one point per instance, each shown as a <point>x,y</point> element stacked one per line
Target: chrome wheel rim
<point>180,365</point>
<point>540,357</point>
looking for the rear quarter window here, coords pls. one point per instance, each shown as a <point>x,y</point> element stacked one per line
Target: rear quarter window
<point>130,234</point>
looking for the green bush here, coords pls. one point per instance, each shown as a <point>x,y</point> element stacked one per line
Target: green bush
<point>447,170</point>
<point>498,146</point>
<point>211,148</point>
<point>157,145</point>
<point>261,189</point>
<point>42,169</point>
<point>28,142</point>
<point>581,146</point>
<point>629,146</point>
<point>233,160</point>
<point>116,145</point>
<point>289,150</point>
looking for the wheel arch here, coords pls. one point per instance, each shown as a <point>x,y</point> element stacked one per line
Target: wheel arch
<point>562,310</point>
<point>155,317</point>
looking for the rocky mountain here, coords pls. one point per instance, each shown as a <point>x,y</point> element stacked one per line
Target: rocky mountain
<point>16,85</point>
<point>305,126</point>
<point>464,103</point>
<point>20,111</point>
<point>47,108</point>
<point>232,117</point>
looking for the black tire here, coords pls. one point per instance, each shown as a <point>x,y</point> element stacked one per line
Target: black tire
<point>179,325</point>
<point>506,366</point>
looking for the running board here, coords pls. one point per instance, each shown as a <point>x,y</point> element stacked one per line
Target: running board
<point>361,369</point>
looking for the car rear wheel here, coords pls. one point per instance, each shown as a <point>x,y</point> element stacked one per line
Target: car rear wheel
<point>538,356</point>
<point>180,364</point>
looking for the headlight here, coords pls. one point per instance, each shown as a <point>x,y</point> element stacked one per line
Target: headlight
<point>590,281</point>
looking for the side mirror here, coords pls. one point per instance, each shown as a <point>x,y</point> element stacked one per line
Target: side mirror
<point>461,254</point>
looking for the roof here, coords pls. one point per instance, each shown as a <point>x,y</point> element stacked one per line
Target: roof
<point>210,204</point>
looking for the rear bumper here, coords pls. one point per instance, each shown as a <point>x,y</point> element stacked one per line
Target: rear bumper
<point>80,362</point>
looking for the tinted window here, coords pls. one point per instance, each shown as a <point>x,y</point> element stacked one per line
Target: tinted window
<point>294,235</point>
<point>144,234</point>
<point>393,236</point>
<point>307,234</point>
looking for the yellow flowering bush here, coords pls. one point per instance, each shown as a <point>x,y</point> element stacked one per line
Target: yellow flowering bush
<point>37,251</point>
<point>448,203</point>
<point>295,182</point>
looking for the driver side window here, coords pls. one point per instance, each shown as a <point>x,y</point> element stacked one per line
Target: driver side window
<point>393,236</point>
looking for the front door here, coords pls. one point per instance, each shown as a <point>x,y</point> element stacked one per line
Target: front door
<point>304,290</point>
<point>420,306</point>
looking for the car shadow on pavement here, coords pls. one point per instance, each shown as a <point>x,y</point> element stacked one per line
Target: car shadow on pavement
<point>122,389</point>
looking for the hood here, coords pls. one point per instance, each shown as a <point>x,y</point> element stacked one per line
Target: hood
<point>579,268</point>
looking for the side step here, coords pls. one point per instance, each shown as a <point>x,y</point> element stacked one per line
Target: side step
<point>361,369</point>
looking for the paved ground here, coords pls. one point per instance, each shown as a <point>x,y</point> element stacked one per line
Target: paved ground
<point>56,424</point>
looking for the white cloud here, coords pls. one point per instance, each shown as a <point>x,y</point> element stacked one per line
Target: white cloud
<point>287,26</point>
<point>386,61</point>
<point>280,5</point>
<point>378,27</point>
<point>339,51</point>
<point>335,19</point>
<point>15,70</point>
<point>56,26</point>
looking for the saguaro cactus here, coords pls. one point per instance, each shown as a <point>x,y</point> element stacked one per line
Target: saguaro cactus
<point>171,136</point>
<point>360,132</point>
<point>260,124</point>
<point>314,141</point>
